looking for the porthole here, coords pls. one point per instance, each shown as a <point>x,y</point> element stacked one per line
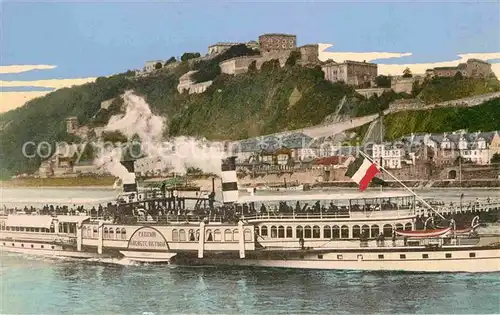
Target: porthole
<point>32,246</point>
<point>320,256</point>
<point>22,245</point>
<point>339,257</point>
<point>13,244</point>
<point>448,255</point>
<point>380,256</point>
<point>402,256</point>
<point>425,256</point>
<point>52,247</point>
<point>471,255</point>
<point>41,246</point>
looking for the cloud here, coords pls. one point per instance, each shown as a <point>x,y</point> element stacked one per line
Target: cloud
<point>52,83</point>
<point>24,68</point>
<point>396,69</point>
<point>13,100</point>
<point>364,56</point>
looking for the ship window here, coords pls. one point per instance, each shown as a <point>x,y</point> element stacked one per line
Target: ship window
<point>17,228</point>
<point>263,230</point>
<point>425,256</point>
<point>320,256</point>
<point>217,235</point>
<point>111,234</point>
<point>228,236</point>
<point>307,231</point>
<point>52,247</point>
<point>316,232</point>
<point>399,227</point>
<point>248,235</point>
<point>281,232</point>
<point>72,228</point>
<point>471,255</point>
<point>182,235</point>
<point>117,233</point>
<point>299,232</point>
<point>209,236</point>
<point>37,230</point>
<point>380,256</point>
<point>106,234</point>
<point>175,235</point>
<point>408,227</point>
<point>21,229</point>
<point>4,244</point>
<point>191,235</point>
<point>32,229</point>
<point>13,244</point>
<point>374,231</point>
<point>335,232</point>
<point>387,230</point>
<point>8,228</point>
<point>344,231</point>
<point>339,257</point>
<point>65,227</point>
<point>41,246</point>
<point>22,245</point>
<point>124,234</point>
<point>402,256</point>
<point>327,231</point>
<point>60,228</point>
<point>95,234</point>
<point>274,232</point>
<point>289,232</point>
<point>356,231</point>
<point>31,245</point>
<point>236,235</point>
<point>52,228</point>
<point>360,257</point>
<point>448,255</point>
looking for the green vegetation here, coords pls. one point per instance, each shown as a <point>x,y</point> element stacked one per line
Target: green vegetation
<point>252,104</point>
<point>209,69</point>
<point>484,117</point>
<point>383,81</point>
<point>186,56</point>
<point>440,89</point>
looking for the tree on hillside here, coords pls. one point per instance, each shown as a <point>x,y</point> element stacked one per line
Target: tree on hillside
<point>270,65</point>
<point>407,73</point>
<point>495,159</point>
<point>170,60</point>
<point>252,67</point>
<point>383,81</point>
<point>458,75</point>
<point>158,65</point>
<point>292,59</point>
<point>186,56</point>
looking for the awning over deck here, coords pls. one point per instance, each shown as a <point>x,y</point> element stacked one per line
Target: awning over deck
<point>30,221</point>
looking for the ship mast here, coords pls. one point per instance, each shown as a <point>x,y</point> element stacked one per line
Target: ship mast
<point>402,184</point>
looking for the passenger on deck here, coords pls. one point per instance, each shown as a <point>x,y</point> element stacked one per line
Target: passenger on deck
<point>263,209</point>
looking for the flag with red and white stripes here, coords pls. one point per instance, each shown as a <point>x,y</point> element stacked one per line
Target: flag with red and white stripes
<point>362,171</point>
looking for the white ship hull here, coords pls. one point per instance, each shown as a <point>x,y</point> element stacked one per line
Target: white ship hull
<point>45,250</point>
<point>484,260</point>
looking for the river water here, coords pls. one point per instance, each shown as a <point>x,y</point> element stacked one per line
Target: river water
<point>30,285</point>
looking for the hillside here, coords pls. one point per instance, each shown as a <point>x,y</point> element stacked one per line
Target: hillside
<point>485,117</point>
<point>271,100</point>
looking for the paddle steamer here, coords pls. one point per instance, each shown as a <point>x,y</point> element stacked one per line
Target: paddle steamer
<point>361,231</point>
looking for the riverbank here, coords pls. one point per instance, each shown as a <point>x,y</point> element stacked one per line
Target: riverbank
<point>62,182</point>
<point>476,183</point>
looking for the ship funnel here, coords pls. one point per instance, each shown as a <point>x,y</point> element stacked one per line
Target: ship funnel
<point>129,182</point>
<point>229,180</point>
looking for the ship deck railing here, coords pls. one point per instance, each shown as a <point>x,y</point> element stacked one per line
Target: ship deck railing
<point>321,215</point>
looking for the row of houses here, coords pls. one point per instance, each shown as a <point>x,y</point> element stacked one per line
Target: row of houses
<point>476,148</point>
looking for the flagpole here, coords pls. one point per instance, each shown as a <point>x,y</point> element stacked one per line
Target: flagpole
<point>402,184</point>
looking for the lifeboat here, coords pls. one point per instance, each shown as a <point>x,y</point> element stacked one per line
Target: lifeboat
<point>425,233</point>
